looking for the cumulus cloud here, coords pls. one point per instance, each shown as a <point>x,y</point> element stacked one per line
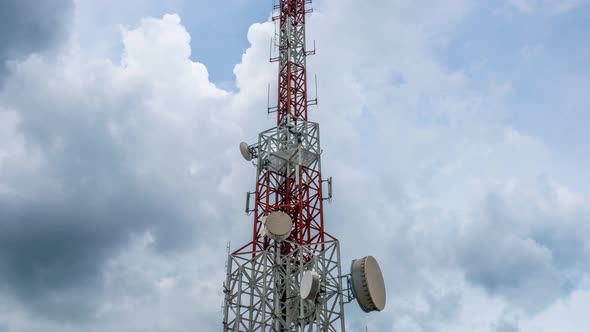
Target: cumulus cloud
<point>444,171</point>
<point>32,26</point>
<point>120,181</point>
<point>102,152</point>
<point>532,255</point>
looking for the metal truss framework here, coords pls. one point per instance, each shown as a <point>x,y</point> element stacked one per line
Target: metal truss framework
<point>289,179</point>
<point>292,87</point>
<point>255,285</point>
<point>262,284</point>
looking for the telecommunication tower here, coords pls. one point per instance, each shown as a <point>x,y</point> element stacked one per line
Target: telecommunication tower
<point>289,276</point>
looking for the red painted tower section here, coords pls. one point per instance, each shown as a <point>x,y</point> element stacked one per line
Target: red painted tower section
<point>292,73</point>
<point>297,192</point>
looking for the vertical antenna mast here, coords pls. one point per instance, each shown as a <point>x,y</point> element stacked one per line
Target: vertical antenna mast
<point>292,87</point>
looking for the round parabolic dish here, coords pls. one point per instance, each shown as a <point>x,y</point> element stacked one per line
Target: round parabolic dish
<point>245,151</point>
<point>278,225</point>
<point>310,285</point>
<point>368,284</point>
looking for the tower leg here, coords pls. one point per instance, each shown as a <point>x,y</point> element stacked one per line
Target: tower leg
<point>262,292</point>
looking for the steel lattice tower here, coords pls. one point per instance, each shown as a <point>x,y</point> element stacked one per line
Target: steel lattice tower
<point>264,276</point>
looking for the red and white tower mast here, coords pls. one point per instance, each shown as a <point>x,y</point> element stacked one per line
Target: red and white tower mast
<point>288,277</point>
<point>294,187</point>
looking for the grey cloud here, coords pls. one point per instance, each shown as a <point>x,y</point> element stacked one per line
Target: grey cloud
<point>31,26</point>
<point>506,324</point>
<point>529,260</point>
<point>440,310</point>
<point>94,189</point>
<point>506,327</point>
<point>91,190</point>
<point>51,254</point>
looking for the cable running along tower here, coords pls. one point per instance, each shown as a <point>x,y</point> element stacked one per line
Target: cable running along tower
<point>289,276</point>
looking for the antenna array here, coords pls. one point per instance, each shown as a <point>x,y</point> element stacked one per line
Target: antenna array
<point>289,276</point>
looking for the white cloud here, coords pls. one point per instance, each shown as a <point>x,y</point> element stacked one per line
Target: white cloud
<point>522,5</point>
<point>567,314</point>
<point>87,129</point>
<point>552,6</point>
<point>465,212</point>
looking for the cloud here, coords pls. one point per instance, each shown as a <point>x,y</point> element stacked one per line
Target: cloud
<point>121,182</point>
<point>555,7</point>
<point>514,252</point>
<point>102,152</point>
<point>505,325</point>
<point>426,157</point>
<point>32,26</point>
<point>566,314</point>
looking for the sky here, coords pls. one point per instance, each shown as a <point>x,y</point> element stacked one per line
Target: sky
<point>455,131</point>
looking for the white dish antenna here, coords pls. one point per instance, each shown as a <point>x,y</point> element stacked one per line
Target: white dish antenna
<point>368,284</point>
<point>310,285</point>
<point>245,151</point>
<point>278,225</point>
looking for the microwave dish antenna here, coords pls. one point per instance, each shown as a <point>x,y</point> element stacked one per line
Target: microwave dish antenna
<point>368,284</point>
<point>278,225</point>
<point>246,151</point>
<point>310,285</point>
